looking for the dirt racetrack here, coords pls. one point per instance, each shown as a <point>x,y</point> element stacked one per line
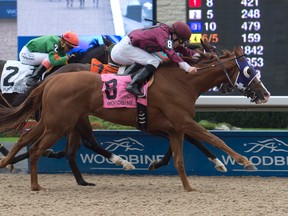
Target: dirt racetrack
<point>143,195</point>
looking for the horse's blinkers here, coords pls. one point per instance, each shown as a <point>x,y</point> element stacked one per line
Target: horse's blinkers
<point>246,75</point>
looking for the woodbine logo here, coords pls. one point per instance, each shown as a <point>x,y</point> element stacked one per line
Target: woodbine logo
<point>125,145</point>
<point>270,154</point>
<point>273,145</point>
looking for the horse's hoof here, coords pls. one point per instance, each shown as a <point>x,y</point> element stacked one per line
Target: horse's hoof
<point>219,165</point>
<point>38,188</point>
<point>86,184</point>
<point>190,189</point>
<point>10,167</point>
<point>152,166</point>
<point>116,160</point>
<point>48,152</point>
<point>221,168</point>
<point>250,167</point>
<point>128,166</point>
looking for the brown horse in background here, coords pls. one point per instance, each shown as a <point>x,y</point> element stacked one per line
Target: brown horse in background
<point>169,109</point>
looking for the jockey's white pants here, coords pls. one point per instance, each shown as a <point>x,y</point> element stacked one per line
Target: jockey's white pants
<point>32,58</point>
<point>124,53</point>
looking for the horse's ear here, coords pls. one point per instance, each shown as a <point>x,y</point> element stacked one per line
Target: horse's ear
<point>238,51</point>
<point>106,41</point>
<point>208,48</point>
<point>204,45</point>
<point>202,42</point>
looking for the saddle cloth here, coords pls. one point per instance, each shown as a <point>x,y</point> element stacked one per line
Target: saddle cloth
<point>14,76</point>
<point>115,94</point>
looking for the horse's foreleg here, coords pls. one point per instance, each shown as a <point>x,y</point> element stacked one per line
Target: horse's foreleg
<point>197,131</point>
<point>72,147</point>
<point>176,142</point>
<point>163,162</point>
<point>5,151</point>
<point>48,153</point>
<point>48,138</point>
<point>90,142</point>
<point>24,140</point>
<point>211,157</point>
<point>23,156</point>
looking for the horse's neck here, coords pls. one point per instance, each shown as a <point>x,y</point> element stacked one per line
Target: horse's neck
<point>98,52</point>
<point>198,83</point>
<point>215,75</point>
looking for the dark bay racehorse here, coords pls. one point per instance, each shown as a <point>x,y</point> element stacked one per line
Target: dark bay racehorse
<point>167,111</point>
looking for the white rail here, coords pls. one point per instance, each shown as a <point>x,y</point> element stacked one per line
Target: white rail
<point>240,103</point>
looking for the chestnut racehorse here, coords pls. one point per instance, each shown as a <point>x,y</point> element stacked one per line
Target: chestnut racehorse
<point>66,98</point>
<point>84,128</point>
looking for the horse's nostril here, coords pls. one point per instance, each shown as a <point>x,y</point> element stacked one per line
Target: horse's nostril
<point>267,95</point>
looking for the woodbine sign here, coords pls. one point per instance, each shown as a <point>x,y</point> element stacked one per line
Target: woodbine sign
<point>268,150</point>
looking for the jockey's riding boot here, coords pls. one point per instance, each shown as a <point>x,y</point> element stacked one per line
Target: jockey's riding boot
<point>36,75</point>
<point>132,68</point>
<point>135,86</point>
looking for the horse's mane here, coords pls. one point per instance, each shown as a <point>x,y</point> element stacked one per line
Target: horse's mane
<point>208,58</point>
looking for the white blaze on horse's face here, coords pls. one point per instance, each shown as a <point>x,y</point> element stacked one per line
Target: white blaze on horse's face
<point>248,81</point>
<point>261,94</point>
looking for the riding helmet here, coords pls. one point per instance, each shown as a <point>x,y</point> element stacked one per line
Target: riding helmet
<point>182,30</point>
<point>71,38</point>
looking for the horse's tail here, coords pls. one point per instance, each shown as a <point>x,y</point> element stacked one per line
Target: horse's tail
<point>12,118</point>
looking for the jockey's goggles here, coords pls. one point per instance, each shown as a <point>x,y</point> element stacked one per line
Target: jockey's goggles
<point>68,45</point>
<point>181,41</point>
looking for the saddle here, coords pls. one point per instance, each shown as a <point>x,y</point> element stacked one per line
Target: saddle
<point>99,68</point>
<point>115,96</point>
<point>14,77</point>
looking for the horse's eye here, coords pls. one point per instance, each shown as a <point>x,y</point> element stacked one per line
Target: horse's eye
<point>247,71</point>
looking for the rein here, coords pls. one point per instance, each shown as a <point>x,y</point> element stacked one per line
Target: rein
<point>4,99</point>
<point>221,63</point>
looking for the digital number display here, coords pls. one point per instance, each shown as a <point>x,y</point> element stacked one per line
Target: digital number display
<point>259,26</point>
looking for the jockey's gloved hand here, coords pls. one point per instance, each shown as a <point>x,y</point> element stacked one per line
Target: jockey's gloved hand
<point>192,70</point>
<point>72,58</point>
<point>196,57</point>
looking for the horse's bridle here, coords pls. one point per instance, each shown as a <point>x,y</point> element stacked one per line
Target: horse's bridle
<point>221,63</point>
<point>247,91</point>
